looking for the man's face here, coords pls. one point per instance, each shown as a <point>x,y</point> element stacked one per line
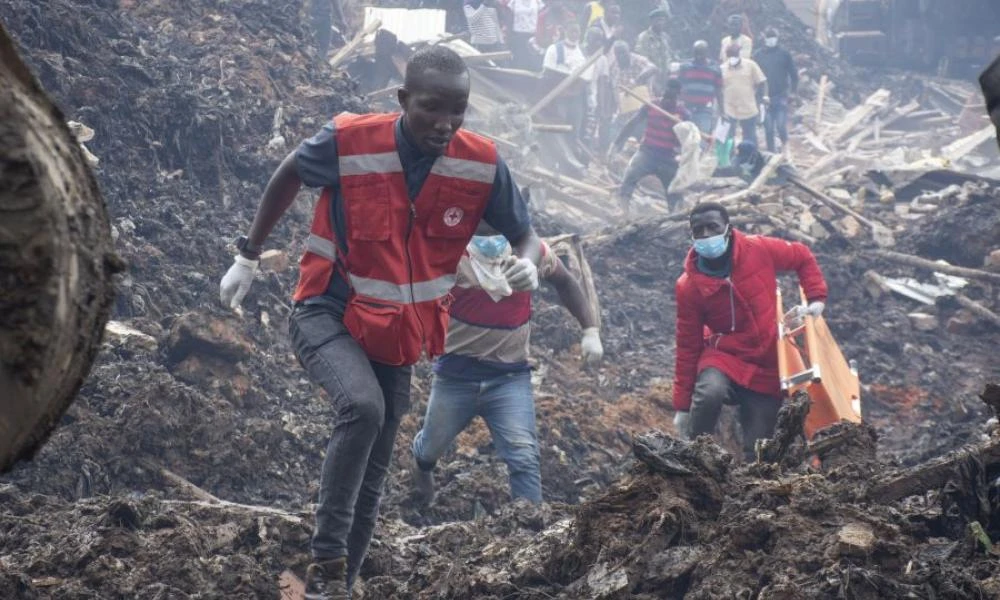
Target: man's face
<point>613,15</point>
<point>434,109</point>
<point>623,56</point>
<point>735,28</point>
<point>659,24</point>
<point>573,34</point>
<point>707,224</point>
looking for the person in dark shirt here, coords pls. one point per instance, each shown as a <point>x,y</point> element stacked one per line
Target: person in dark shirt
<point>335,332</point>
<point>657,154</point>
<point>782,82</point>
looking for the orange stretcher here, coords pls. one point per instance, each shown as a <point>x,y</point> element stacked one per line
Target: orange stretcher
<point>810,360</point>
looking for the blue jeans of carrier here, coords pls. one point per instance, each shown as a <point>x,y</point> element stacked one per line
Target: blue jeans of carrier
<point>776,121</point>
<point>507,405</point>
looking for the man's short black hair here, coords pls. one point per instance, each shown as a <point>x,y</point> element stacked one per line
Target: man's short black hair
<point>432,58</point>
<point>704,207</point>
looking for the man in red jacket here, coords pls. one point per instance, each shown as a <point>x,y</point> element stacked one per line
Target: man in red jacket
<point>727,324</point>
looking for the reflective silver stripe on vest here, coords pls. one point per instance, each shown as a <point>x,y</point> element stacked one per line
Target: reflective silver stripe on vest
<point>360,164</point>
<point>460,168</point>
<point>391,292</point>
<point>322,246</point>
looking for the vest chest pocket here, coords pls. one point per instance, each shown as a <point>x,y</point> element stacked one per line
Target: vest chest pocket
<point>455,214</point>
<point>369,217</point>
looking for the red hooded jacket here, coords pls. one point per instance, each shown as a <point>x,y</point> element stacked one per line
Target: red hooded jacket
<point>731,324</point>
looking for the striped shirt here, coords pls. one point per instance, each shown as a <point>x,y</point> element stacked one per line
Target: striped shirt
<point>484,25</point>
<point>487,338</point>
<point>700,84</point>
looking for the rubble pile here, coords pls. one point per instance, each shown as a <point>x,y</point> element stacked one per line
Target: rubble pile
<point>186,466</point>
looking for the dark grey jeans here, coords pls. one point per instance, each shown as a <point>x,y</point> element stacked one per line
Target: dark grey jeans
<point>758,412</point>
<point>644,163</point>
<point>369,400</point>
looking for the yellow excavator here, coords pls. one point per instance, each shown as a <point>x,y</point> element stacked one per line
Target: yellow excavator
<point>810,360</point>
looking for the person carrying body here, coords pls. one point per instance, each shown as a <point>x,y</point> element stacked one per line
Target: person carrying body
<point>485,371</point>
<point>657,154</point>
<point>402,194</point>
<point>727,324</point>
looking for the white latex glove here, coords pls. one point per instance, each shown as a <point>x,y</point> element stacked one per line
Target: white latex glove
<point>815,309</point>
<point>236,282</point>
<point>590,346</point>
<point>682,423</point>
<point>521,274</point>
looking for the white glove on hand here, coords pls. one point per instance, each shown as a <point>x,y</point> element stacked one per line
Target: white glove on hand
<point>682,423</point>
<point>236,282</point>
<point>815,309</point>
<point>590,346</point>
<point>521,274</point>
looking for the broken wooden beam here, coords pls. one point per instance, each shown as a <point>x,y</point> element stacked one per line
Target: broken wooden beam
<point>940,267</point>
<point>978,309</point>
<point>484,57</point>
<point>552,127</point>
<point>564,84</point>
<point>356,41</point>
<point>931,475</point>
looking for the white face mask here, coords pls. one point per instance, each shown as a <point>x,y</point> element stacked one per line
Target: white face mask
<point>771,42</point>
<point>734,60</point>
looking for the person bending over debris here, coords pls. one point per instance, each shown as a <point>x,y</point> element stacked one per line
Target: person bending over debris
<point>402,195</point>
<point>485,370</point>
<point>782,77</point>
<point>657,154</point>
<point>727,324</point>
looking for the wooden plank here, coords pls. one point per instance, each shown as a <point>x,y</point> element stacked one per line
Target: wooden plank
<point>960,148</point>
<point>564,84</point>
<point>860,114</point>
<point>356,41</point>
<point>824,82</point>
<point>932,475</point>
<point>922,263</point>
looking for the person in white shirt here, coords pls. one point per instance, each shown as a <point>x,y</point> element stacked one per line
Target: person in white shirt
<point>566,54</point>
<point>564,57</point>
<point>522,46</point>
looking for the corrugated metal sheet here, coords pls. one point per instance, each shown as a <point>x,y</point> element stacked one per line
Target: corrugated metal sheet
<point>410,26</point>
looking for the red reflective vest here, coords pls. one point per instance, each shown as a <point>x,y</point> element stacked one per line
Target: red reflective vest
<point>402,255</point>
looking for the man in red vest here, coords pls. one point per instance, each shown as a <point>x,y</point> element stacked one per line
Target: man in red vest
<point>402,195</point>
<point>727,324</point>
<point>657,154</point>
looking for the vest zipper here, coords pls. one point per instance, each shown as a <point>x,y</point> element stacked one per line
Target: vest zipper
<point>409,273</point>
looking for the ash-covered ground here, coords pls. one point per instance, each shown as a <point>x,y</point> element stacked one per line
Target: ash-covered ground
<point>190,403</point>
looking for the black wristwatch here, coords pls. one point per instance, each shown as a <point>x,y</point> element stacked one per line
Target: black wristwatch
<point>245,247</point>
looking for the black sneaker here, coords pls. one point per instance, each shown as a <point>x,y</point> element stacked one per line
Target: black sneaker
<point>327,580</point>
<point>423,485</point>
